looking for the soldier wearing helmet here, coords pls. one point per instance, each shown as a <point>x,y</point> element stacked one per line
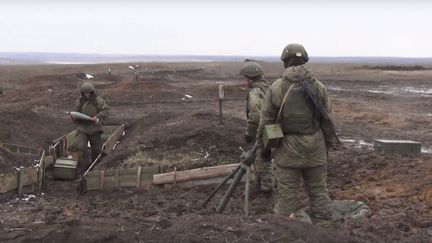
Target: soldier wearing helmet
<point>90,131</point>
<point>257,87</point>
<point>302,153</point>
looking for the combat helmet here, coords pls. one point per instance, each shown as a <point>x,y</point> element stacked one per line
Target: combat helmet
<point>87,87</point>
<point>294,51</point>
<point>251,69</point>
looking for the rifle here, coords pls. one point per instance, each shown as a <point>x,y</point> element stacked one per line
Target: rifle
<point>313,98</point>
<point>246,160</point>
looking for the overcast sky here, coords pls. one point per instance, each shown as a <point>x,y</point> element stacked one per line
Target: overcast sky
<point>326,28</point>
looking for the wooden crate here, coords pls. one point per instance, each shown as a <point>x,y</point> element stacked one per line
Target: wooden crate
<point>403,147</point>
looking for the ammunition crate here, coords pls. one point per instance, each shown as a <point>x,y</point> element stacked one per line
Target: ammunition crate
<point>65,169</point>
<point>403,147</point>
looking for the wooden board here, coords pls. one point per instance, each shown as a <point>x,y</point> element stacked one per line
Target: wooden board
<point>111,141</point>
<point>41,172</point>
<point>128,177</point>
<point>8,182</point>
<point>195,174</point>
<point>119,178</point>
<point>93,181</point>
<point>20,149</point>
<point>48,160</point>
<point>110,129</point>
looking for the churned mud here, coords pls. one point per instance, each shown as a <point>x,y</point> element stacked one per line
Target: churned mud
<point>172,115</point>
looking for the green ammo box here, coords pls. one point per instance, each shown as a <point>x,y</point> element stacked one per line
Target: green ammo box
<point>65,169</point>
<point>272,135</point>
<point>404,147</point>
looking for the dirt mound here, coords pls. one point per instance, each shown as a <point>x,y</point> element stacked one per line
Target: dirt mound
<point>35,129</point>
<point>185,141</point>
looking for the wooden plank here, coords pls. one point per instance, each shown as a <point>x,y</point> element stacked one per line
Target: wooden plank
<point>41,174</point>
<point>116,178</point>
<point>23,150</point>
<point>110,129</point>
<point>93,181</point>
<point>20,182</point>
<point>8,182</point>
<point>109,179</point>
<point>11,148</point>
<point>30,176</point>
<point>20,149</point>
<point>147,174</point>
<point>128,177</point>
<point>139,176</point>
<point>48,160</point>
<point>109,144</point>
<point>195,174</point>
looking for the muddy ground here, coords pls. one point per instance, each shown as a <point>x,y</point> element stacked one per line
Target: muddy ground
<point>167,127</point>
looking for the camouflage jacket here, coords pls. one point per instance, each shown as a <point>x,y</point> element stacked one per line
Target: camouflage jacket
<point>255,98</point>
<point>298,151</point>
<point>94,107</point>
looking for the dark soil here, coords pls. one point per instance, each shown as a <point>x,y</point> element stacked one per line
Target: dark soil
<point>169,129</point>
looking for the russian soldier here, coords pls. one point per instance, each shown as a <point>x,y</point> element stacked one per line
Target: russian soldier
<point>90,131</point>
<point>302,153</point>
<point>254,75</point>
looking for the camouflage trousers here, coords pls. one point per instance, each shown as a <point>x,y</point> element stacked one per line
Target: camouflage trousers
<point>82,144</point>
<point>263,173</point>
<point>289,182</point>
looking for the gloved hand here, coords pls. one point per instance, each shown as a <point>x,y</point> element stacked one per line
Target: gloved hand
<point>249,139</point>
<point>96,120</point>
<point>248,158</point>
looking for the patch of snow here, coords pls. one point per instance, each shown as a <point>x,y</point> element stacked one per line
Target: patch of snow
<point>88,76</point>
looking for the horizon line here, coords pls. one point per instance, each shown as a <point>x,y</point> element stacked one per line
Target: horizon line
<point>201,55</point>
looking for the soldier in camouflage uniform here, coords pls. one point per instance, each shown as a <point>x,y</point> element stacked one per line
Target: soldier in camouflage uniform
<point>253,73</point>
<point>302,154</point>
<point>90,131</point>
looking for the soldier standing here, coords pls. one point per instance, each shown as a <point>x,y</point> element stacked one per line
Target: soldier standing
<point>253,73</point>
<point>90,131</point>
<point>302,153</point>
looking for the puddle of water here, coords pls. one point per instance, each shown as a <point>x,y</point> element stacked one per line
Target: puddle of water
<point>417,90</point>
<point>381,92</point>
<point>359,144</point>
<point>426,150</point>
<point>337,89</point>
<point>393,91</point>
